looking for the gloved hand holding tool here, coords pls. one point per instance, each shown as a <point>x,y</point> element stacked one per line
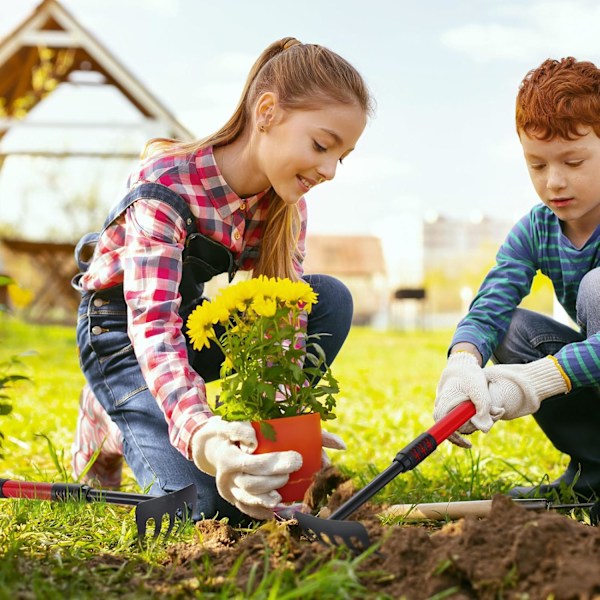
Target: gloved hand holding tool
<point>464,379</point>
<point>249,481</point>
<point>517,390</point>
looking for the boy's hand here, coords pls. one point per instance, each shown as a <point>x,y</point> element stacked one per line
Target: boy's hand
<point>463,379</point>
<point>248,481</point>
<point>518,390</point>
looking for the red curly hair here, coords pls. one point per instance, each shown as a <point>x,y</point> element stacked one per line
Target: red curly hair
<point>558,99</point>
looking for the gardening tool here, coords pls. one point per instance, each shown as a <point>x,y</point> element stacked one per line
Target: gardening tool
<point>440,511</point>
<point>335,531</point>
<point>176,505</point>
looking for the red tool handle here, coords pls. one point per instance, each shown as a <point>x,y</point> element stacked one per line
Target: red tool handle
<point>456,418</point>
<point>62,492</point>
<point>25,489</point>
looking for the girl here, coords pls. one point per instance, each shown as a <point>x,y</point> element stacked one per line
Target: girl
<point>234,200</point>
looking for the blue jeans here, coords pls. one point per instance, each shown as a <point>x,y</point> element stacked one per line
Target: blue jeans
<point>571,421</point>
<point>109,364</point>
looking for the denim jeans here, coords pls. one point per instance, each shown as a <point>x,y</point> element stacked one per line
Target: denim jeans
<point>571,421</point>
<point>109,364</point>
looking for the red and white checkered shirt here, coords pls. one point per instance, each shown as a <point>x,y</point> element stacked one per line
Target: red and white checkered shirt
<point>142,249</point>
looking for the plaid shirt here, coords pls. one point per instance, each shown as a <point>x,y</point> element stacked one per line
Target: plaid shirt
<point>142,249</point>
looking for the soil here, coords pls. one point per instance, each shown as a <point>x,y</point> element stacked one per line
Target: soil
<point>514,553</point>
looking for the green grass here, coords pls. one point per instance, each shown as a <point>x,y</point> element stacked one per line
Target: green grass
<point>388,382</point>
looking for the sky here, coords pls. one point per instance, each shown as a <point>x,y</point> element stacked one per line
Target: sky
<point>444,74</point>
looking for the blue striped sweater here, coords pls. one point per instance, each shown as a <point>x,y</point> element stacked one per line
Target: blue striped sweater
<point>535,243</point>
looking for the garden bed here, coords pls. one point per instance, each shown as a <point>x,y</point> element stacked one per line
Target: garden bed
<point>512,553</point>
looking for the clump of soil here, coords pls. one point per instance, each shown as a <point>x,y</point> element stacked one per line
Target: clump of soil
<point>513,553</point>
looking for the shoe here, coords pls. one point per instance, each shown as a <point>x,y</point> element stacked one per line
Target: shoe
<point>96,432</point>
<point>570,483</point>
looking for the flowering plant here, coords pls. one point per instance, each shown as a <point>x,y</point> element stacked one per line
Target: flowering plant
<point>267,371</point>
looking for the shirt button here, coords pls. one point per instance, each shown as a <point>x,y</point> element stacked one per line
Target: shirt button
<point>237,235</point>
<point>96,330</point>
<point>98,302</point>
<point>243,206</point>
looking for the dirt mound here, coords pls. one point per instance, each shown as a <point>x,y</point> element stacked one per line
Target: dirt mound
<point>514,553</point>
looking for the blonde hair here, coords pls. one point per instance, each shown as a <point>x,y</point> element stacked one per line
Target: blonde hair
<point>303,76</point>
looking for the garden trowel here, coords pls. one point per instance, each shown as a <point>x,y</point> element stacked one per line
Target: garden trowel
<point>335,531</point>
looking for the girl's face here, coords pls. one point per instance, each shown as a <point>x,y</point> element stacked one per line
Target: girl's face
<point>302,148</point>
<point>565,176</point>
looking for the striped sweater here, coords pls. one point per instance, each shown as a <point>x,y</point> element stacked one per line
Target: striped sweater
<point>535,243</point>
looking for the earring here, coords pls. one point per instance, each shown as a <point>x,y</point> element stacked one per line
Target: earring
<point>261,128</point>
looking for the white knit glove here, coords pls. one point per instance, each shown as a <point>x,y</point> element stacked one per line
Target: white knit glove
<point>463,379</point>
<point>518,390</point>
<point>249,481</point>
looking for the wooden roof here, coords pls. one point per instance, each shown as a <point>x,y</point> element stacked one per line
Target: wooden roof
<point>50,46</point>
<point>351,255</point>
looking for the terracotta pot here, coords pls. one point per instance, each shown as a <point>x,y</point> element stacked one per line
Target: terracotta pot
<point>301,433</point>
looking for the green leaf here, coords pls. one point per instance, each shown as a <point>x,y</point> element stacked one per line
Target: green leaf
<point>268,431</point>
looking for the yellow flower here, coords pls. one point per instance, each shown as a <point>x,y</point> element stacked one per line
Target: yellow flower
<point>296,293</point>
<point>200,336</point>
<point>228,365</point>
<point>239,306</point>
<point>200,325</point>
<point>264,306</point>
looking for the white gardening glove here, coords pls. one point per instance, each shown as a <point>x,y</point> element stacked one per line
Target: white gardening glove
<point>518,389</point>
<point>249,481</point>
<point>463,379</point>
<point>332,441</point>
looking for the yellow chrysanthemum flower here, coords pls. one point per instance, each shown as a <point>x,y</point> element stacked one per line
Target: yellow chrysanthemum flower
<point>264,306</point>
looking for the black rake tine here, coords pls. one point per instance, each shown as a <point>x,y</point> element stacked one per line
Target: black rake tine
<point>178,505</point>
<point>336,533</point>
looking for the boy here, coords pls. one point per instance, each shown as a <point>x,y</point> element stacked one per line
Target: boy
<point>542,367</point>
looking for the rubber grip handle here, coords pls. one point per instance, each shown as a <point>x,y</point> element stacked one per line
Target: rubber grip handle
<point>456,418</point>
<point>25,489</point>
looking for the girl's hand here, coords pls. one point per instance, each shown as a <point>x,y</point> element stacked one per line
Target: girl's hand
<point>330,440</point>
<point>249,481</point>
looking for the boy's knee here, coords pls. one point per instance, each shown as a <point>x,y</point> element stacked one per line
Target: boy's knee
<point>588,307</point>
<point>589,287</point>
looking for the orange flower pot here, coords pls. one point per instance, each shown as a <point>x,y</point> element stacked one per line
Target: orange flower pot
<point>301,433</point>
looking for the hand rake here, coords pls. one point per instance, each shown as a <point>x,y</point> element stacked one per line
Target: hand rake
<point>352,534</point>
<point>176,505</point>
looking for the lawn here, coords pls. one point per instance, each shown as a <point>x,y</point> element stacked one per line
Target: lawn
<point>388,382</point>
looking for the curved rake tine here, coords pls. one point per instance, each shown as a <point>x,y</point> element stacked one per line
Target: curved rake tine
<point>351,534</point>
<point>177,505</point>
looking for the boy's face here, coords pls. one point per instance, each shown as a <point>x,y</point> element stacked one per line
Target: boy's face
<point>566,177</point>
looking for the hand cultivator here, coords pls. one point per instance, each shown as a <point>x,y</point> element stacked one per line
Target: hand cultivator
<point>335,531</point>
<point>176,505</point>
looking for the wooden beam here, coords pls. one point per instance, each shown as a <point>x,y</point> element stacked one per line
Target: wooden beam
<point>6,124</point>
<point>61,155</point>
<point>23,85</point>
<point>51,39</point>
